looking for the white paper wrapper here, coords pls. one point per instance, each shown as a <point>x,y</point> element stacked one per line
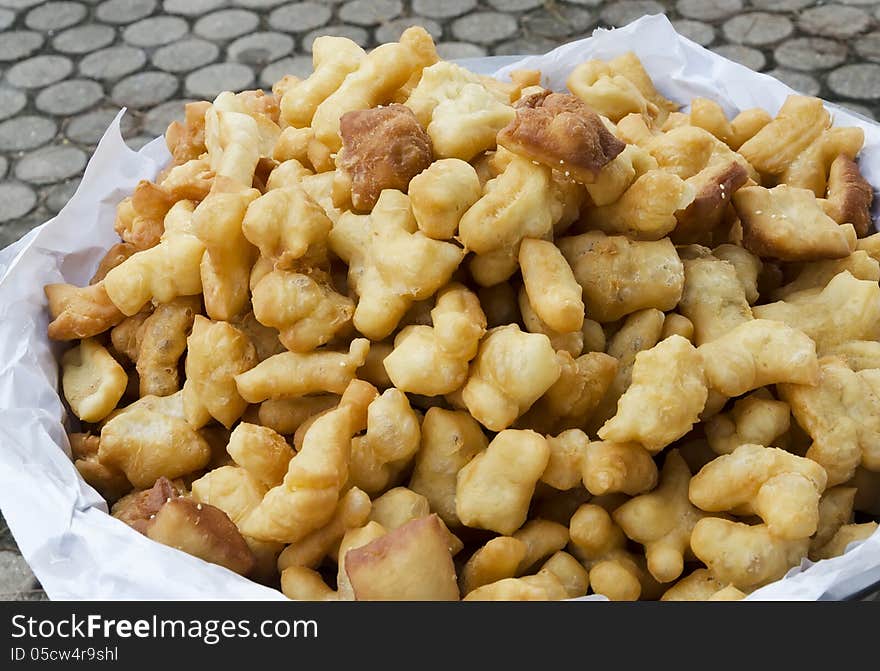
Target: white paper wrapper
<point>60,523</point>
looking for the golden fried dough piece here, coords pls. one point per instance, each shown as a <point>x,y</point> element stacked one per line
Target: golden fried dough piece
<point>858,354</point>
<point>617,176</point>
<point>713,298</point>
<point>226,264</point>
<point>162,339</point>
<point>387,448</point>
<point>846,309</point>
<point>799,123</point>
<point>563,470</point>
<point>517,204</point>
<point>232,489</point>
<point>186,141</point>
<point>161,273</point>
<point>398,506</point>
<point>562,132</point>
<point>747,265</point>
<point>849,195</point>
<point>745,556</point>
<point>111,483</point>
<point>610,468</point>
<point>698,585</point>
<point>264,339</point>
<point>543,586</point>
<point>191,181</point>
<point>293,374</point>
<point>511,371</point>
<point>839,412</point>
<point>92,380</point>
<point>391,263</point>
<point>667,395</point>
<point>80,312</point>
<point>449,440</point>
<point>810,170</point>
<point>787,223</point>
<point>139,218</point>
<point>234,148</point>
<point>148,440</point>
<point>411,563</point>
<point>550,285</point>
<point>758,419</point>
<point>285,415</point>
<point>216,353</point>
<point>781,488</point>
<point>542,538</point>
<point>114,256</point>
<point>676,324</point>
<point>352,512</point>
<point>333,58</point>
<point>461,111</point>
<point>620,276</point>
<point>835,511</point>
<point>813,277</point>
<point>497,560</point>
<point>305,309</point>
<point>434,360</point>
<point>307,497</point>
<point>261,452</point>
<point>571,342</point>
<point>382,148</point>
<point>848,533</point>
<point>570,572</point>
<point>378,75</point>
<point>663,520</point>
<point>494,489</point>
<point>758,353</point>
<point>441,194</point>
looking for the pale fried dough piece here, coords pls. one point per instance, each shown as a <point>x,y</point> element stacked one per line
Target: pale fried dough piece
<point>848,533</point>
<point>441,194</point>
<point>496,560</point>
<point>80,312</point>
<point>713,298</point>
<point>162,342</point>
<point>787,223</point>
<point>552,289</point>
<point>111,483</point>
<point>562,132</point>
<point>92,380</point>
<point>835,510</point>
<point>382,148</point>
<point>667,395</point>
<point>849,195</point>
<point>114,256</point>
<point>812,277</point>
<point>811,168</point>
<point>758,419</point>
<point>191,181</point>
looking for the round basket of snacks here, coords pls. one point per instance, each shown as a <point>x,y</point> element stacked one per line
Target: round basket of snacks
<point>604,321</point>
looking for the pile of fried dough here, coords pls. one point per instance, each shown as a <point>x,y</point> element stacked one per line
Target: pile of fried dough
<point>400,331</point>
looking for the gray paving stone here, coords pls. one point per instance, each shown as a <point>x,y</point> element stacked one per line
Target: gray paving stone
<point>701,33</point>
<point>559,22</point>
<point>56,197</point>
<point>84,38</point>
<point>447,9</point>
<point>155,31</point>
<point>370,12</point>
<point>19,4</point>
<point>69,97</point>
<point>301,66</point>
<point>515,5</point>
<point>157,119</point>
<point>39,71</point>
<point>868,46</point>
<point>88,128</point>
<point>55,16</point>
<point>226,24</point>
<point>113,62</point>
<point>18,44</point>
<point>186,55</point>
<point>355,34</point>
<point>18,199</point>
<point>453,50</point>
<point>267,4</point>
<point>4,166</point>
<point>834,21</point>
<point>7,18</point>
<point>751,58</point>
<point>16,574</point>
<point>799,81</point>
<point>757,28</point>
<point>708,10</point>
<point>12,101</point>
<point>625,11</point>
<point>586,3</point>
<point>13,229</point>
<point>124,11</point>
<point>260,49</point>
<point>484,27</point>
<point>144,89</point>
<point>50,164</point>
<point>207,82</point>
<point>391,31</point>
<point>810,53</point>
<point>520,45</point>
<point>299,17</point>
<point>26,132</point>
<point>860,81</point>
<point>781,5</point>
<point>192,7</point>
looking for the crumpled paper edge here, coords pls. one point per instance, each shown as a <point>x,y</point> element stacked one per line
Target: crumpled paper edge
<point>75,549</point>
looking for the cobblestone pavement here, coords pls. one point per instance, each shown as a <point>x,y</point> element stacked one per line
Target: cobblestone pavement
<point>67,66</point>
